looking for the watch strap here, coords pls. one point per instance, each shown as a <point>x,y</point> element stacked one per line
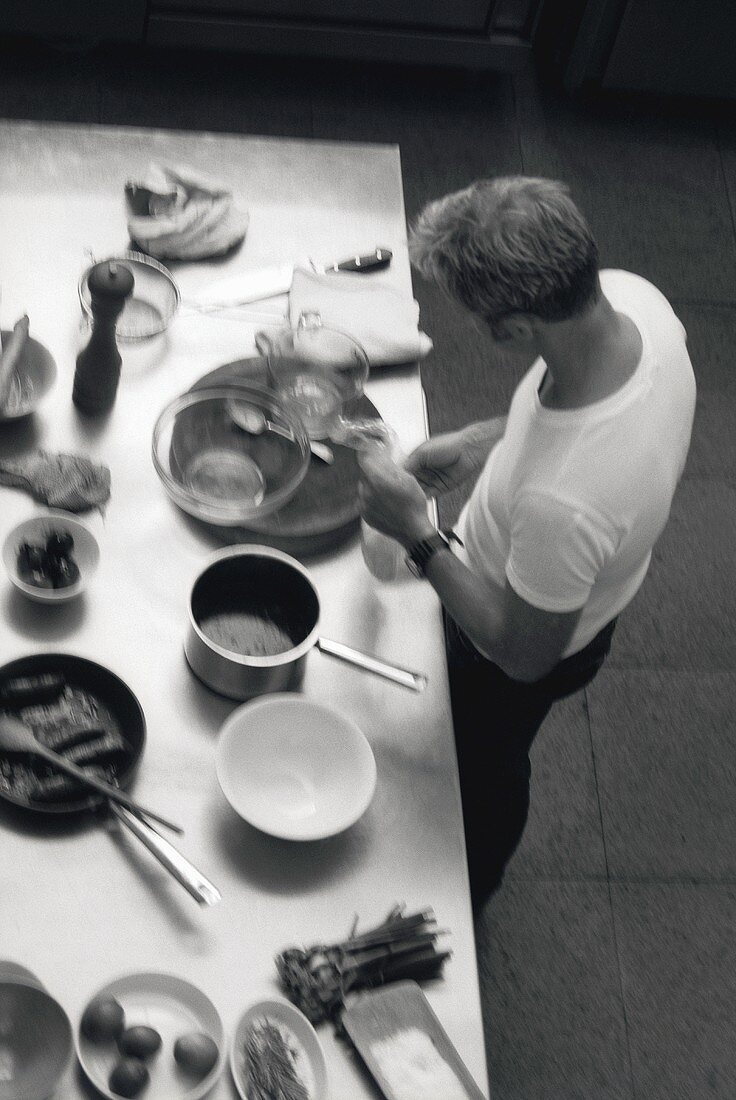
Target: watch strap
<point>419,554</point>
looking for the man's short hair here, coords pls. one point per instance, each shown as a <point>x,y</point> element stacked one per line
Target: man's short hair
<point>509,244</point>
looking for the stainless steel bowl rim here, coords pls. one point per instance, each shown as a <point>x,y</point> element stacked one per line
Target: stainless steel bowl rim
<point>277,659</point>
<point>136,257</point>
<point>145,261</point>
<point>225,514</point>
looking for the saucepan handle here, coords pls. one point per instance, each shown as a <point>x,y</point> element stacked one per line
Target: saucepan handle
<point>416,681</point>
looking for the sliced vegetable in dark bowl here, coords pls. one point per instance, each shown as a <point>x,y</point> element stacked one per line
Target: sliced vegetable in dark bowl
<point>76,707</point>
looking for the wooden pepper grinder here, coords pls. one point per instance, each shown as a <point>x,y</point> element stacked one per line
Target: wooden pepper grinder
<point>98,365</point>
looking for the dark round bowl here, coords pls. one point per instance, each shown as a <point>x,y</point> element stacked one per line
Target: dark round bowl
<point>108,690</point>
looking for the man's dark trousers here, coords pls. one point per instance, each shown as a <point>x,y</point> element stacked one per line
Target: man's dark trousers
<point>496,720</point>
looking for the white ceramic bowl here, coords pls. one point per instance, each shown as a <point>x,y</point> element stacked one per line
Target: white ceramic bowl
<point>37,1036</point>
<point>294,1025</point>
<point>294,768</point>
<point>35,531</point>
<point>173,1007</point>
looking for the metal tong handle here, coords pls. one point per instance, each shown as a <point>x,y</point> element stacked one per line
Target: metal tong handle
<point>175,863</point>
<point>417,681</point>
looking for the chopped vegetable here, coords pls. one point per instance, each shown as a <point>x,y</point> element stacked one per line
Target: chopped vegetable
<point>270,1065</point>
<point>51,565</point>
<point>317,979</point>
<point>36,689</point>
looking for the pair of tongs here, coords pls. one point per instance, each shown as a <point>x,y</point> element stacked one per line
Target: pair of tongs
<point>193,881</point>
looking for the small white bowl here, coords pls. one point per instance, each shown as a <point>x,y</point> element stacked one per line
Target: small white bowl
<point>294,768</point>
<point>35,531</point>
<point>310,1061</point>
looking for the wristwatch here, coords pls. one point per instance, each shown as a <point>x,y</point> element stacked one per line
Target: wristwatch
<point>418,555</point>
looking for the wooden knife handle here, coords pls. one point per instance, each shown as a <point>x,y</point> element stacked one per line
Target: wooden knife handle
<point>373,261</point>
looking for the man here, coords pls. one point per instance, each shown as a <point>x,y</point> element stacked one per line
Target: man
<point>573,488</point>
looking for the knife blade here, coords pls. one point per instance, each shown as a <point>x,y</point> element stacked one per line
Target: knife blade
<point>275,279</point>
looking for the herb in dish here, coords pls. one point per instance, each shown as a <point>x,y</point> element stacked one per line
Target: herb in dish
<point>270,1064</point>
<point>317,979</point>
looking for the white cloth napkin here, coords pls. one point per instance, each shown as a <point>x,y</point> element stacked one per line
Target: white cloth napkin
<point>179,213</point>
<point>384,321</point>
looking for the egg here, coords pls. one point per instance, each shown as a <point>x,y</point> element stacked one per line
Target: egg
<point>129,1077</point>
<point>103,1020</point>
<point>196,1053</point>
<point>139,1042</point>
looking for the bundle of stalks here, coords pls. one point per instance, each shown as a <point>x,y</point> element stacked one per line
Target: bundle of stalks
<point>317,979</point>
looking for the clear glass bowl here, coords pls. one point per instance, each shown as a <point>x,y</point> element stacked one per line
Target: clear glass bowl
<point>154,301</point>
<point>315,370</point>
<point>229,454</point>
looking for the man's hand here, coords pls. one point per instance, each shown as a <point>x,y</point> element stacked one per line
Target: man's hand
<point>451,459</point>
<point>392,500</point>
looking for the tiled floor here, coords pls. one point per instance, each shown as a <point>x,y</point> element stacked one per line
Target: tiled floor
<point>608,957</point>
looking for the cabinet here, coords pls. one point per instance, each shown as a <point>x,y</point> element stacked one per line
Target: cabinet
<point>470,15</point>
<point>669,47</point>
<point>493,34</point>
<point>482,34</point>
<point>101,20</point>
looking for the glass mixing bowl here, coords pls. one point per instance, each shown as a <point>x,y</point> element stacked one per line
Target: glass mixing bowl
<point>315,370</point>
<point>229,454</point>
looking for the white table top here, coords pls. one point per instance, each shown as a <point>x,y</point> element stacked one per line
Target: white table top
<point>82,906</point>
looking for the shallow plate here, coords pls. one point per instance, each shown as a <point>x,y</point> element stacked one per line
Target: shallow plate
<point>294,768</point>
<point>107,691</point>
<point>171,1006</point>
<point>35,374</point>
<point>298,1032</point>
<point>35,530</point>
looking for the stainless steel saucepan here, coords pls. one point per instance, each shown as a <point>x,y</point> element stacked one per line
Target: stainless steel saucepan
<point>253,618</point>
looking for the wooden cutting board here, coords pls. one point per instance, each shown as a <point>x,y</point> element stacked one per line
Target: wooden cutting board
<point>324,510</point>
<point>401,1007</point>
